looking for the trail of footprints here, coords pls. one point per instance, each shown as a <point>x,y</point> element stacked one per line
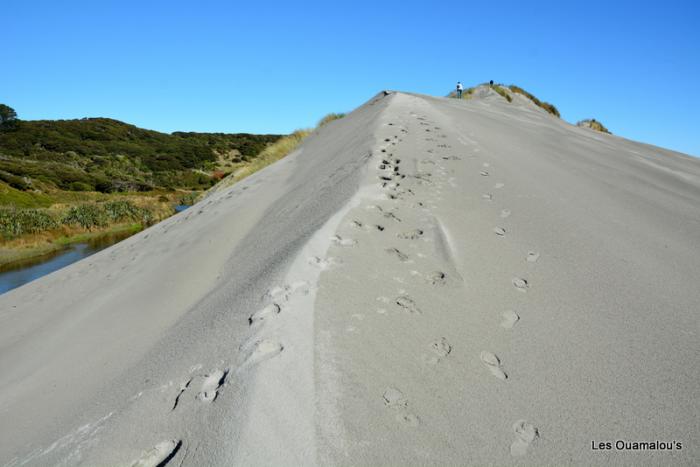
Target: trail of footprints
<point>391,179</point>
<point>205,388</point>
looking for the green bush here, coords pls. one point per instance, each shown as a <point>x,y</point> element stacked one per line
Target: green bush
<point>79,186</point>
<point>108,155</point>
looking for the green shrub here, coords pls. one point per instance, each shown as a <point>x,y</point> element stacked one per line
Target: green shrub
<point>188,199</point>
<point>79,186</point>
<point>87,216</point>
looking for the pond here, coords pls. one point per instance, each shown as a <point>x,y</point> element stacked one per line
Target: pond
<point>21,272</point>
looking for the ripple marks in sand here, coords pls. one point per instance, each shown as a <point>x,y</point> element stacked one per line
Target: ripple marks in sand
<point>525,434</point>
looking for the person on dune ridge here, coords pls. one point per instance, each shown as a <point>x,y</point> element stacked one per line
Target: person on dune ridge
<point>460,88</point>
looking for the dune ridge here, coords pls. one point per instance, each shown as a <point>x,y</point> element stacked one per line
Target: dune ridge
<point>426,281</point>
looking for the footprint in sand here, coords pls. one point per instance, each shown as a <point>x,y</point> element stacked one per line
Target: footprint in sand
<point>321,263</point>
<point>525,434</point>
<point>437,278</point>
<point>394,398</point>
<point>159,455</point>
<point>265,313</point>
<point>183,388</point>
<point>505,213</point>
<point>408,419</point>
<point>487,196</point>
<point>498,186</point>
<point>410,234</point>
<point>403,257</point>
<point>264,350</point>
<point>344,242</point>
<point>493,363</point>
<point>520,284</point>
<point>441,348</point>
<point>407,303</point>
<point>484,173</point>
<point>509,319</point>
<point>500,231</point>
<point>532,256</point>
<point>211,384</point>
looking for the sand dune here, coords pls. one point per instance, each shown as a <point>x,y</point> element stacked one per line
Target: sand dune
<point>426,281</point>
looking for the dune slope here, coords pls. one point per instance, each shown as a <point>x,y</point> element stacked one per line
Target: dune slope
<point>425,281</point>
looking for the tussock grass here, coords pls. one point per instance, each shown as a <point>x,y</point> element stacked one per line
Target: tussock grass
<point>329,118</point>
<point>272,153</point>
<point>544,105</point>
<point>269,155</point>
<point>500,90</point>
<point>60,220</point>
<point>593,124</point>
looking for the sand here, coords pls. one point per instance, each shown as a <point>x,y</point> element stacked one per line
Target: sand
<point>424,282</point>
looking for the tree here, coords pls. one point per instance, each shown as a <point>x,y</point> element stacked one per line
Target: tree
<point>8,116</point>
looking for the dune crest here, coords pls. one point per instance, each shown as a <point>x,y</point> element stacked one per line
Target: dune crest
<point>354,303</point>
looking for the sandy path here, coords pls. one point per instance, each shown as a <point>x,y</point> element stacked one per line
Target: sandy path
<point>510,299</point>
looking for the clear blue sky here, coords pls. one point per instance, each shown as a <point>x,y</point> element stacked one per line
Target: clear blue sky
<point>271,67</point>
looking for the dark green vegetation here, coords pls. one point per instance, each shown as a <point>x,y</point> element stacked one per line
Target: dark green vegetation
<point>8,116</point>
<point>99,154</point>
<point>593,124</point>
<point>63,180</point>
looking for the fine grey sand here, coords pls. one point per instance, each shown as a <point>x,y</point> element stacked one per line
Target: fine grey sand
<point>426,281</point>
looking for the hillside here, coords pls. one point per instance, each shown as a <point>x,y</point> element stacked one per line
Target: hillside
<point>426,281</point>
<point>104,155</point>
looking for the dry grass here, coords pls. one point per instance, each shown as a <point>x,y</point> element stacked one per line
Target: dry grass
<point>329,118</point>
<point>544,105</point>
<point>500,90</point>
<point>593,124</point>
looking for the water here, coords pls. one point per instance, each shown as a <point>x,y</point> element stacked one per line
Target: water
<point>21,272</point>
<point>181,207</point>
